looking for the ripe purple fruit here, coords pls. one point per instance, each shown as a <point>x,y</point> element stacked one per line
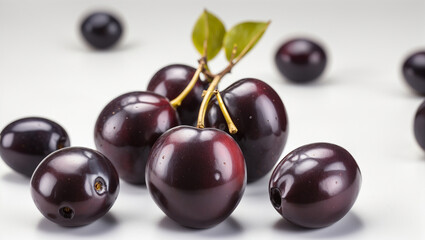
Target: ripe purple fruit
<point>127,128</point>
<point>260,116</point>
<point>170,81</point>
<point>315,185</point>
<point>25,142</point>
<point>301,60</point>
<point>414,71</point>
<point>101,30</point>
<point>419,125</point>
<point>74,186</point>
<point>196,176</point>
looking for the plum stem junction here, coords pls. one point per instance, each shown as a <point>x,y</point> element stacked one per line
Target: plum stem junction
<point>216,79</point>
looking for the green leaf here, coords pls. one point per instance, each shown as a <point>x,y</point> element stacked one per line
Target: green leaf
<point>208,28</point>
<point>244,35</point>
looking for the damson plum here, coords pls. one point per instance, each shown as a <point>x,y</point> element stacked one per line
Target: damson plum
<point>127,128</point>
<point>414,71</point>
<point>419,125</point>
<point>74,186</point>
<point>196,176</point>
<point>25,142</point>
<point>170,81</point>
<point>315,185</point>
<point>101,30</point>
<point>301,60</point>
<point>260,116</point>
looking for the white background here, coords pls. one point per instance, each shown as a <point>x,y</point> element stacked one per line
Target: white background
<point>361,103</point>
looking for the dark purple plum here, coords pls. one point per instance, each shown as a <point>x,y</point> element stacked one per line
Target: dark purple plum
<point>25,142</point>
<point>196,176</point>
<point>315,185</point>
<point>414,71</point>
<point>419,125</point>
<point>260,116</point>
<point>170,81</point>
<point>127,128</point>
<point>74,186</point>
<point>101,30</point>
<point>301,60</point>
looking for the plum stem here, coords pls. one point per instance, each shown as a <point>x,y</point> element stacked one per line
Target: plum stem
<point>205,100</point>
<point>209,93</point>
<point>210,76</point>
<point>202,66</point>
<point>229,121</point>
<point>207,97</point>
<point>176,102</point>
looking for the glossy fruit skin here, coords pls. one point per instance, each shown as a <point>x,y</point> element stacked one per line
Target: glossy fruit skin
<point>315,185</point>
<point>170,81</point>
<point>301,60</point>
<point>414,71</point>
<point>419,125</point>
<point>196,176</point>
<point>260,116</point>
<point>101,30</point>
<point>127,128</point>
<point>25,142</point>
<point>68,179</point>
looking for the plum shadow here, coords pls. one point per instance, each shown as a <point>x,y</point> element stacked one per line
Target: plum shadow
<point>133,189</point>
<point>102,226</point>
<point>350,224</point>
<point>16,178</point>
<point>258,188</point>
<point>229,227</point>
<point>83,47</point>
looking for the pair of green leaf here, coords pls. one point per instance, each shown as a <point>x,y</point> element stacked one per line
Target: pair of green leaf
<point>210,33</point>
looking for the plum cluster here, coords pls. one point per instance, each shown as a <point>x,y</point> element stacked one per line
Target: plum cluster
<point>194,146</point>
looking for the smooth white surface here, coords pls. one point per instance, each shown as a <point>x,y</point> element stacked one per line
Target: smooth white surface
<point>361,104</point>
